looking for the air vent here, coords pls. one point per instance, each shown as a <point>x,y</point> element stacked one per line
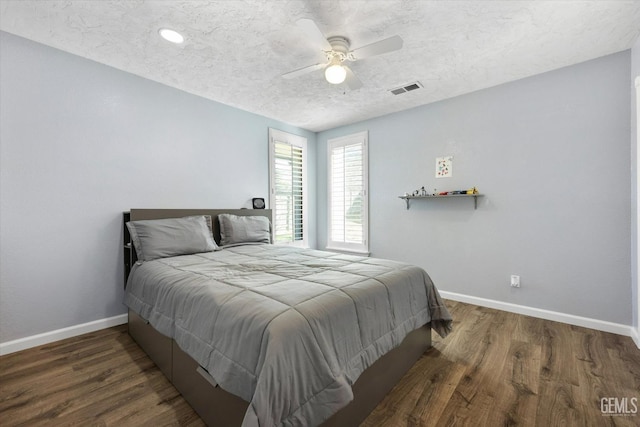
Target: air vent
<point>407,88</point>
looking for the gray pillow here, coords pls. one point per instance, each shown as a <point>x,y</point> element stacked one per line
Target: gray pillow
<point>244,229</point>
<point>160,238</point>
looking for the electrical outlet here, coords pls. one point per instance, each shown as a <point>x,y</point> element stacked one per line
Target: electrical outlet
<point>515,281</point>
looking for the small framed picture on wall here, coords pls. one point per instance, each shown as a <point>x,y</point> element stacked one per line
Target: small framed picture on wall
<point>444,167</point>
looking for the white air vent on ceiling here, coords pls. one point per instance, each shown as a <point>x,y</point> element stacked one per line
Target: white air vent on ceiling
<point>407,88</point>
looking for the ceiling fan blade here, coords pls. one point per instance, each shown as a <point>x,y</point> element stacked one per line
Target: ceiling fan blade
<point>378,48</point>
<point>352,80</point>
<point>303,70</point>
<point>313,33</point>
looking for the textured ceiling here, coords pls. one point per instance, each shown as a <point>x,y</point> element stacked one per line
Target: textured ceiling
<point>236,51</point>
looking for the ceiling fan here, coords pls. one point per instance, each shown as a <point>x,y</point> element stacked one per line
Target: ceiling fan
<point>336,49</point>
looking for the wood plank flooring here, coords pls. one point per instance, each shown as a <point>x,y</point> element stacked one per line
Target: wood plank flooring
<point>495,369</point>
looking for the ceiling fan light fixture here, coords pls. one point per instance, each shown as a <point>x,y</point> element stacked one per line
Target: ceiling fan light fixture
<point>171,35</point>
<point>335,74</point>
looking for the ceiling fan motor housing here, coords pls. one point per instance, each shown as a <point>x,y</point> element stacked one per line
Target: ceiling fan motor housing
<point>339,48</point>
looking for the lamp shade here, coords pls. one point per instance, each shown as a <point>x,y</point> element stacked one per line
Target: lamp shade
<point>335,74</point>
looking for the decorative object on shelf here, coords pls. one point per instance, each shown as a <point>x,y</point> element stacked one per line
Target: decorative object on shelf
<point>423,192</point>
<point>258,203</point>
<point>472,192</point>
<point>444,167</point>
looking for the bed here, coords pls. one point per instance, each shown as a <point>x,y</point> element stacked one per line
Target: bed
<point>256,334</point>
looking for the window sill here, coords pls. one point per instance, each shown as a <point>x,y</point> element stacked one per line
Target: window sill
<point>293,245</point>
<point>348,251</point>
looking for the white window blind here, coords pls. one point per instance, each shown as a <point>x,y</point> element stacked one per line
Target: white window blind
<point>287,195</point>
<point>348,193</point>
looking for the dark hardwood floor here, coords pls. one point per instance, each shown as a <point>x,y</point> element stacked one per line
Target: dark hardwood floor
<point>495,369</point>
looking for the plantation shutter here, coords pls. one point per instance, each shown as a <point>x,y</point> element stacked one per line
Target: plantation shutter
<point>348,198</point>
<point>288,193</point>
<point>287,187</point>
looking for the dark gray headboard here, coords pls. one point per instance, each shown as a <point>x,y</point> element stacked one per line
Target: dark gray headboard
<point>140,214</point>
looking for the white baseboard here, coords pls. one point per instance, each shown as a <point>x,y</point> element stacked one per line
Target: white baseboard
<point>60,334</point>
<point>586,322</point>
<point>635,336</point>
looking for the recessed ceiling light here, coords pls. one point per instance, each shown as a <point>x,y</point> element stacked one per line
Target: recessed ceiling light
<point>171,35</point>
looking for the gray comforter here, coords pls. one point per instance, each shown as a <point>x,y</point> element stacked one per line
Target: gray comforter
<point>288,330</point>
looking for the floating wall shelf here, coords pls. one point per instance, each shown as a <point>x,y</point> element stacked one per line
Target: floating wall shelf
<point>475,198</point>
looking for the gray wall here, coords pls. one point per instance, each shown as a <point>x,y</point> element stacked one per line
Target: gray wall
<point>81,142</point>
<point>551,153</point>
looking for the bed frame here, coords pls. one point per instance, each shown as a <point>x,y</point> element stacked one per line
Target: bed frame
<point>220,408</point>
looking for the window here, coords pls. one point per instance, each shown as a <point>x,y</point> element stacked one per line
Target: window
<point>348,193</point>
<point>287,181</point>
